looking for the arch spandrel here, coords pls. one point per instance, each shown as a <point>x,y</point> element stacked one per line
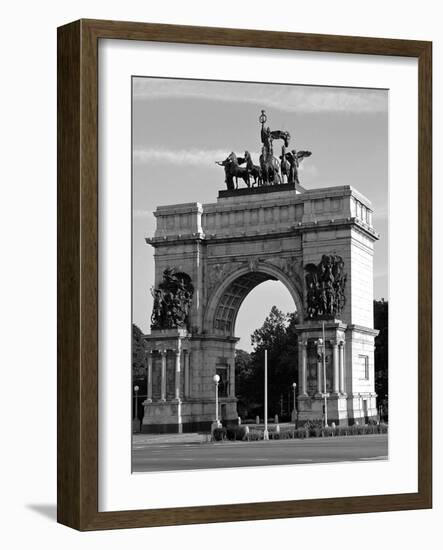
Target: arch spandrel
<point>228,295</point>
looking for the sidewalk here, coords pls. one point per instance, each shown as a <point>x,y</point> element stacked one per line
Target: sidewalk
<point>143,439</point>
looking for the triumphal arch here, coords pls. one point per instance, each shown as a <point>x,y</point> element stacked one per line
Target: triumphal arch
<point>208,257</point>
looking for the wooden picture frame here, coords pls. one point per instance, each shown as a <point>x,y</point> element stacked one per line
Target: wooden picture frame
<point>77,479</point>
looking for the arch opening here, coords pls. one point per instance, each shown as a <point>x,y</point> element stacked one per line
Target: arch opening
<point>226,300</point>
<point>232,298</point>
<point>256,308</point>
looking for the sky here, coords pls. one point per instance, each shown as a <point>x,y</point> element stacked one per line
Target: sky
<point>181,127</point>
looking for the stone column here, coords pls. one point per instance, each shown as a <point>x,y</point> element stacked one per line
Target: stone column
<point>341,367</point>
<point>149,378</point>
<point>302,367</point>
<point>187,373</point>
<point>335,368</point>
<point>163,375</point>
<point>177,374</point>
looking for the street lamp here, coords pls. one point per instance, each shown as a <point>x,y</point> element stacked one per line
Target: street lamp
<point>266,433</point>
<point>216,379</point>
<point>136,388</point>
<point>295,419</point>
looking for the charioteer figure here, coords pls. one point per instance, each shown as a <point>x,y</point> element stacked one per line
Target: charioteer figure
<point>269,171</point>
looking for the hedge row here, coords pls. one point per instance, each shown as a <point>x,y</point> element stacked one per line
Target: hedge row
<point>310,429</point>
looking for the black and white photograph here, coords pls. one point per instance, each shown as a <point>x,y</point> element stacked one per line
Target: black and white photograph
<point>260,274</point>
<point>218,275</point>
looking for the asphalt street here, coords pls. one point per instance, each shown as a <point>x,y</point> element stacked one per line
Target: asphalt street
<point>155,457</point>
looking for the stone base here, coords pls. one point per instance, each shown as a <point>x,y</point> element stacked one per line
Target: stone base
<point>362,407</point>
<point>312,408</point>
<point>186,416</point>
<point>343,410</point>
<point>187,427</point>
<point>276,188</point>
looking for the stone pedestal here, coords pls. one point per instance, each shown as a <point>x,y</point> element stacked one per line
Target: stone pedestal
<point>349,363</point>
<point>181,391</point>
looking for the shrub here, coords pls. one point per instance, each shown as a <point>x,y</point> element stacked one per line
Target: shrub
<point>219,434</point>
<point>313,427</point>
<point>382,428</point>
<point>372,429</point>
<point>328,431</point>
<point>353,430</point>
<point>255,435</point>
<point>301,433</point>
<point>231,434</point>
<point>236,433</point>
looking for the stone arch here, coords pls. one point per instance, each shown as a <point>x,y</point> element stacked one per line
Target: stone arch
<point>227,298</point>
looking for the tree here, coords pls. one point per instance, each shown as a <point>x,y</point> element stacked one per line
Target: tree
<point>138,366</point>
<point>381,353</point>
<point>277,335</point>
<point>273,331</point>
<point>138,352</point>
<point>243,377</point>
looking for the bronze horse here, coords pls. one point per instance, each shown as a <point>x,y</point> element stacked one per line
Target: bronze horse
<point>253,169</point>
<point>233,170</point>
<point>270,169</point>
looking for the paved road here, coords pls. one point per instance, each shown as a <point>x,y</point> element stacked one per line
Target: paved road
<point>148,457</point>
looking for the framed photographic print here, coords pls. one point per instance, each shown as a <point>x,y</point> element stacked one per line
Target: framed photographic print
<point>244,275</point>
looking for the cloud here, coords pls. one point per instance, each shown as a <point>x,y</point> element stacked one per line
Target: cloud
<point>282,97</point>
<point>308,169</point>
<point>180,157</point>
<point>146,214</point>
<point>381,212</point>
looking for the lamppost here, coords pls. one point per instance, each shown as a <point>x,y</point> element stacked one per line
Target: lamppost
<point>321,346</point>
<point>136,388</point>
<point>266,432</point>
<point>216,379</point>
<point>295,419</point>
